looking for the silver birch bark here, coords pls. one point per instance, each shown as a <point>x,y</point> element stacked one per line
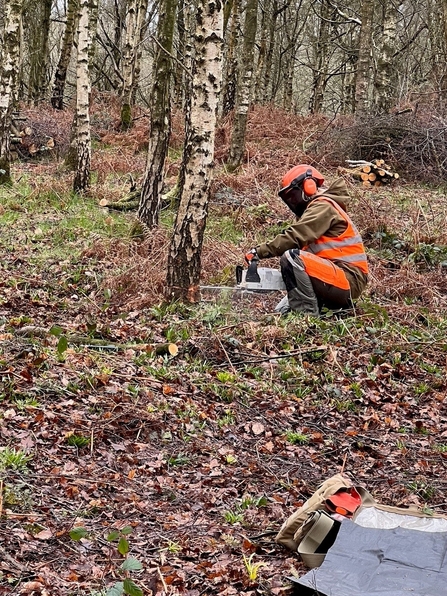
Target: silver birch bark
<point>243,94</point>
<point>188,62</point>
<point>133,24</point>
<point>384,84</point>
<point>150,200</point>
<point>83,139</point>
<point>57,97</point>
<point>231,61</point>
<point>143,19</point>
<point>9,67</point>
<point>364,59</point>
<point>37,18</point>
<point>184,260</point>
<point>321,60</point>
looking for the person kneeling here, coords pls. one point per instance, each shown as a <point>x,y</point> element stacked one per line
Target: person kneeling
<point>323,260</point>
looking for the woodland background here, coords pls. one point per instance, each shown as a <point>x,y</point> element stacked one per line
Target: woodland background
<point>154,446</point>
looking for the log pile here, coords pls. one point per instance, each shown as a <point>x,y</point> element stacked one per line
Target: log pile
<point>25,142</point>
<point>370,173</point>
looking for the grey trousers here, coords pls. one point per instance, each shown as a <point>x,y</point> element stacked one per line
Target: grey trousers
<point>309,294</point>
<point>300,292</point>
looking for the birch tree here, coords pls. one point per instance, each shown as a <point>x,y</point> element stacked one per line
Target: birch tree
<point>184,260</point>
<point>321,59</point>
<point>364,58</point>
<point>9,67</point>
<point>60,77</point>
<point>37,17</point>
<point>385,80</point>
<point>243,93</point>
<point>83,138</point>
<point>160,132</point>
<point>135,18</point>
<point>231,60</point>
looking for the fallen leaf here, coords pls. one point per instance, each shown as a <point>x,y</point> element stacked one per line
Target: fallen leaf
<point>44,535</point>
<point>257,428</point>
<point>29,587</point>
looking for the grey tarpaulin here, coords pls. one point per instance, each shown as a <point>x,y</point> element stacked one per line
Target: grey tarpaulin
<point>373,562</point>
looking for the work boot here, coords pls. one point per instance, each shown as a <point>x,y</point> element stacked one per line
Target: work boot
<point>283,306</point>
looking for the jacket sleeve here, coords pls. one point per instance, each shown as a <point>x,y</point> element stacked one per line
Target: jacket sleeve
<point>315,222</point>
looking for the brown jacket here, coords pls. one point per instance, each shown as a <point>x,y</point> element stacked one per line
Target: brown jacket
<point>320,218</point>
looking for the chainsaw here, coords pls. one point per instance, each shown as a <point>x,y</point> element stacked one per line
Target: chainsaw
<point>259,279</point>
<point>252,279</point>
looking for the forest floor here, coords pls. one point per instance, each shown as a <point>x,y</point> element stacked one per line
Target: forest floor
<point>114,457</point>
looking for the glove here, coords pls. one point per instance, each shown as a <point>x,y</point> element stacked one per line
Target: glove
<point>252,254</point>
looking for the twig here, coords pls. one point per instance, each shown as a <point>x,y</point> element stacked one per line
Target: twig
<point>278,356</point>
<point>165,587</point>
<point>226,355</point>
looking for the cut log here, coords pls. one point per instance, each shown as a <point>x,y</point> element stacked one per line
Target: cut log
<point>366,169</point>
<point>372,177</point>
<point>364,177</point>
<point>164,349</point>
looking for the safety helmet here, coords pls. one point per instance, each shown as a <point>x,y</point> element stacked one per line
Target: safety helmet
<point>303,177</point>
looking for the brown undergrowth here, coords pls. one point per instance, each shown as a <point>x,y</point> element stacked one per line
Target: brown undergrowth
<point>203,454</point>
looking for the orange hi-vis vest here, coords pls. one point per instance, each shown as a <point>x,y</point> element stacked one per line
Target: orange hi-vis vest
<point>348,247</point>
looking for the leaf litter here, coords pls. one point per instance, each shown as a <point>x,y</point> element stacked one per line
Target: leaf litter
<point>205,454</point>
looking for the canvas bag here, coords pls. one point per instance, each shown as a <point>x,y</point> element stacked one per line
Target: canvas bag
<point>301,532</point>
<point>293,529</point>
<point>319,531</point>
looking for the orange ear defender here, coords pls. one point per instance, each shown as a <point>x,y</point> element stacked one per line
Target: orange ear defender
<point>309,184</point>
<point>304,177</point>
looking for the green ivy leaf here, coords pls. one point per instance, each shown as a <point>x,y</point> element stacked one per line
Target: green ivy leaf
<point>114,535</point>
<point>78,533</point>
<point>131,564</point>
<point>126,530</point>
<point>123,546</point>
<point>131,588</point>
<point>62,345</point>
<point>116,590</point>
<point>56,330</point>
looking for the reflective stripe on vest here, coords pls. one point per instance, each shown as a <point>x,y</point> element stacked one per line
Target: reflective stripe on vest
<point>348,247</point>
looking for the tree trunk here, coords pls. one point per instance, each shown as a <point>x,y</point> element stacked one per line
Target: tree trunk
<point>179,72</point>
<point>9,68</point>
<point>57,98</point>
<point>188,62</point>
<point>262,50</point>
<point>131,40</point>
<point>364,59</point>
<point>385,90</point>
<point>83,140</point>
<point>321,60</point>
<point>184,261</point>
<point>135,21</point>
<point>37,16</point>
<point>231,61</point>
<point>143,20</point>
<point>150,201</point>
<point>243,93</point>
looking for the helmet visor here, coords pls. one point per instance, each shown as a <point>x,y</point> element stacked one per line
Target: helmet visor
<point>295,200</point>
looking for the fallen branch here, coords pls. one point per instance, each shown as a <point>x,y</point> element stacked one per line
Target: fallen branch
<point>92,342</point>
<point>278,356</point>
